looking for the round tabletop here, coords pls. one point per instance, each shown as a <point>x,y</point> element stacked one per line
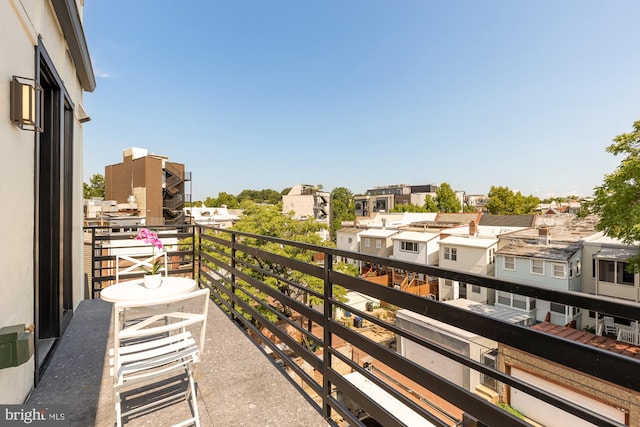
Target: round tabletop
<point>134,290</point>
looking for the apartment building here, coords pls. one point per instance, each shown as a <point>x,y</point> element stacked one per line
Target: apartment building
<point>158,187</point>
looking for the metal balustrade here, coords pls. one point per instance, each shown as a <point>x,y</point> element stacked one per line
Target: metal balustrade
<point>267,294</point>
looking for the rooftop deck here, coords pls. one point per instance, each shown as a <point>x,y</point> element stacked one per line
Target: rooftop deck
<point>233,391</point>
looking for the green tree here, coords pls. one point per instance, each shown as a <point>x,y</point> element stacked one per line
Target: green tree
<point>95,188</point>
<point>260,196</point>
<point>223,199</point>
<point>268,220</point>
<point>446,199</point>
<point>342,208</point>
<point>430,205</point>
<point>503,201</point>
<point>617,200</point>
<point>409,207</point>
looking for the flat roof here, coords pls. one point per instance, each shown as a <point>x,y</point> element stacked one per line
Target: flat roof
<point>377,232</point>
<point>398,409</point>
<point>553,251</point>
<point>415,236</point>
<point>480,242</point>
<point>498,312</point>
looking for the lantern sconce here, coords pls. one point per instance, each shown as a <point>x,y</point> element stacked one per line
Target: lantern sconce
<point>26,104</point>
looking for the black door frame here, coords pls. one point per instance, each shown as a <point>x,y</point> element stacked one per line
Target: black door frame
<point>53,260</point>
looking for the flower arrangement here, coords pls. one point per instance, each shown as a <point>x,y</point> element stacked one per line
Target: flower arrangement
<point>149,236</point>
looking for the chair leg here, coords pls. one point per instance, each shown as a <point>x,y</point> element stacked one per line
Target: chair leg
<point>118,410</point>
<point>194,398</point>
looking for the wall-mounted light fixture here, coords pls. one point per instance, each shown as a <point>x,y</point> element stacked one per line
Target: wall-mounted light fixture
<point>26,103</point>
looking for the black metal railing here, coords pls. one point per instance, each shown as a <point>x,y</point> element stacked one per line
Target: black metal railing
<point>103,244</point>
<point>252,279</point>
<point>288,296</point>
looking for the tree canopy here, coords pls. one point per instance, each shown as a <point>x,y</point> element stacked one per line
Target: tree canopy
<point>223,198</point>
<point>260,196</point>
<point>503,201</point>
<point>268,220</point>
<point>342,207</point>
<point>95,188</point>
<point>446,199</point>
<point>617,200</point>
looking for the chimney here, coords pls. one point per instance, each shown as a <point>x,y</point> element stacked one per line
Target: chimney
<point>473,229</point>
<point>544,235</point>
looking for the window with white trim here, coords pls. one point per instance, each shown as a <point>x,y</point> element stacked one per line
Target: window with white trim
<point>367,242</point>
<point>559,271</point>
<point>409,247</point>
<point>378,244</point>
<point>451,254</point>
<point>537,266</point>
<point>509,263</point>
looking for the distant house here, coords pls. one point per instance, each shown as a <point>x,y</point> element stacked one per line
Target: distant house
<point>307,202</point>
<point>472,254</point>
<point>348,239</point>
<point>605,262</point>
<point>420,248</point>
<point>157,186</point>
<point>554,264</point>
<point>219,217</point>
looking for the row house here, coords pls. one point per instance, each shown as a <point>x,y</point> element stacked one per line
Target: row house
<point>419,248</point>
<point>605,262</point>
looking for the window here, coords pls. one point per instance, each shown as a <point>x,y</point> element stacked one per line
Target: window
<point>492,256</point>
<point>614,272</point>
<point>558,308</point>
<point>409,247</point>
<point>475,289</point>
<point>448,282</point>
<point>378,244</point>
<point>559,271</point>
<point>367,242</point>
<point>510,263</point>
<point>578,267</point>
<point>537,266</point>
<point>489,359</point>
<point>516,301</point>
<point>350,239</point>
<point>451,254</point>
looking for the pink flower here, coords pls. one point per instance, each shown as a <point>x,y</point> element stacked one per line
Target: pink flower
<point>150,237</point>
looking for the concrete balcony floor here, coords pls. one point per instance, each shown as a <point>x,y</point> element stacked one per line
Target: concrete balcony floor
<point>238,385</point>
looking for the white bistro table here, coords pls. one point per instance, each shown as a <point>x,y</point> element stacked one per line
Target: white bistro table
<point>134,290</point>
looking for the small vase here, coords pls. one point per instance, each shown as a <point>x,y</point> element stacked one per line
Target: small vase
<point>152,281</point>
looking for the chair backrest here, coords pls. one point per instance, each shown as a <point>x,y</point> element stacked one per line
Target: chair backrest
<point>167,316</point>
<point>127,265</point>
<point>608,321</point>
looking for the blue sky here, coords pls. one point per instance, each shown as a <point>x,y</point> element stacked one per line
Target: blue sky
<point>254,94</point>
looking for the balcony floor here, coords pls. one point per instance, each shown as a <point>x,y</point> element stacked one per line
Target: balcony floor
<point>238,385</point>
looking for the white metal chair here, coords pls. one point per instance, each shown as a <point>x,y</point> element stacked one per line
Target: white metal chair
<point>126,265</point>
<point>631,336</point>
<point>609,325</point>
<point>149,353</point>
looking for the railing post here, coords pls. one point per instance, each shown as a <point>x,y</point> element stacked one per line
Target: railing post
<point>233,276</point>
<point>193,251</point>
<point>326,359</point>
<point>93,260</point>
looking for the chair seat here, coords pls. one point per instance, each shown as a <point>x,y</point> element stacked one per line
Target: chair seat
<point>151,350</point>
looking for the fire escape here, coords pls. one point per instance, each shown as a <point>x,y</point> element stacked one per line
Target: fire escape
<point>174,195</point>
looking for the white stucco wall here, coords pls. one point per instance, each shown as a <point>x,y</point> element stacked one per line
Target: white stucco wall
<point>21,22</point>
